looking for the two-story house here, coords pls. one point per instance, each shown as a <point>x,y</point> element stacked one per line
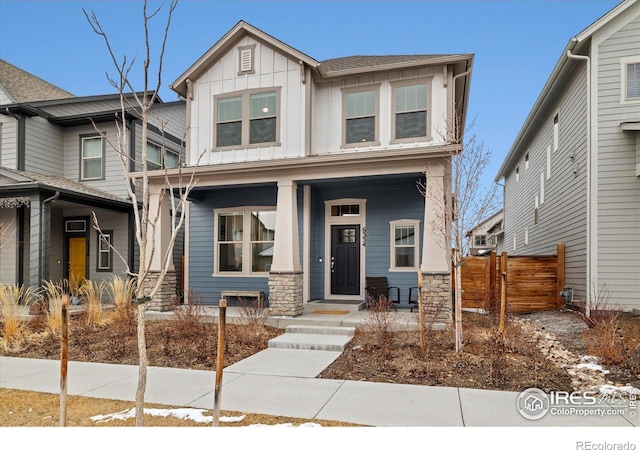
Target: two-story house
<point>572,174</point>
<point>307,170</point>
<point>483,238</point>
<point>58,168</point>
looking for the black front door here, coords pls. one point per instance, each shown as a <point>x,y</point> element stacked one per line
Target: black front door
<point>345,259</point>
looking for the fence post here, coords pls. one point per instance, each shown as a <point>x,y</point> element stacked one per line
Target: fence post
<point>220,361</point>
<point>503,300</point>
<point>493,293</point>
<point>560,275</point>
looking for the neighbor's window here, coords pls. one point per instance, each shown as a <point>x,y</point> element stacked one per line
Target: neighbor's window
<point>105,254</point>
<point>158,159</point>
<point>410,111</point>
<point>404,245</point>
<point>633,81</point>
<point>360,116</point>
<point>91,158</point>
<point>481,240</point>
<point>249,119</point>
<point>243,252</point>
<point>556,135</point>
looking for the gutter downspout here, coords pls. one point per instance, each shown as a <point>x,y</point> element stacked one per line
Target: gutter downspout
<point>44,234</point>
<point>592,280</point>
<point>20,139</point>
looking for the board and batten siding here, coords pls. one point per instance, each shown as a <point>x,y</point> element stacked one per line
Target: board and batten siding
<point>202,281</point>
<point>562,216</point>
<point>44,147</point>
<point>618,187</point>
<point>273,69</point>
<point>114,181</point>
<point>328,104</point>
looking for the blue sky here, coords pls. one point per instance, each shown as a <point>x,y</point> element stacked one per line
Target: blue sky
<point>516,43</point>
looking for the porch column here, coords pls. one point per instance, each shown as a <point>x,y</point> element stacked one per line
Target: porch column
<point>435,267</point>
<point>33,276</point>
<point>158,237</point>
<point>285,277</point>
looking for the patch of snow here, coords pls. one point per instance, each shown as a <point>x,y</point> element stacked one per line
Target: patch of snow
<point>196,415</point>
<point>609,389</point>
<point>303,425</point>
<point>592,366</point>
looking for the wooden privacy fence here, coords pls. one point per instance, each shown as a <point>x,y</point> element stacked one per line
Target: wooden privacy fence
<point>533,282</point>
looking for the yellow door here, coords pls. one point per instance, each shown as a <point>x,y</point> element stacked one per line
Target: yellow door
<point>77,259</point>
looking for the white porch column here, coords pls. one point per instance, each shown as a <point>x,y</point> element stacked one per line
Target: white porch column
<point>160,237</point>
<point>286,249</point>
<point>435,254</point>
<point>285,278</point>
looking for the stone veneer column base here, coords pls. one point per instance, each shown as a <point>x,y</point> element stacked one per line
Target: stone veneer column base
<point>285,294</point>
<point>165,297</point>
<point>436,296</point>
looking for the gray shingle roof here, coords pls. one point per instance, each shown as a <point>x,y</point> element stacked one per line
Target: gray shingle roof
<point>361,62</point>
<point>61,183</point>
<point>25,87</point>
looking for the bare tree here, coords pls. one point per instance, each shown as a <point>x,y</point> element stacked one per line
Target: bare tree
<point>146,213</point>
<point>471,201</point>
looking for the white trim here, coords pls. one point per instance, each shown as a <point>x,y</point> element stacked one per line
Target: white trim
<point>542,188</point>
<point>548,162</point>
<point>416,227</point>
<point>306,243</point>
<point>246,242</point>
<point>343,220</point>
<point>623,80</point>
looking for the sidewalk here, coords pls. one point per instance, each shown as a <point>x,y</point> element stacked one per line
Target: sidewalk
<point>282,382</point>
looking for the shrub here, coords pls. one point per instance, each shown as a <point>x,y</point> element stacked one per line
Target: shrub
<point>11,297</point>
<point>379,323</point>
<point>253,316</point>
<point>187,317</point>
<point>91,292</point>
<point>53,294</point>
<point>122,292</point>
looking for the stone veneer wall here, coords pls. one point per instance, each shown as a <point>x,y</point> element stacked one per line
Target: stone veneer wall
<point>285,294</point>
<point>436,295</point>
<point>166,295</point>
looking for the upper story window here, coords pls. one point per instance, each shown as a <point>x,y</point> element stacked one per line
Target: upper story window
<point>248,119</point>
<point>556,134</point>
<point>91,158</point>
<point>159,158</point>
<point>481,240</point>
<point>410,111</point>
<point>633,81</point>
<point>361,114</point>
<point>244,241</point>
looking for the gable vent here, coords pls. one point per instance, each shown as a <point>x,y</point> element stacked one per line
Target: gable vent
<point>246,59</point>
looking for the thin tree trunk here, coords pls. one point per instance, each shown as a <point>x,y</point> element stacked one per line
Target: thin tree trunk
<point>458,303</point>
<point>142,367</point>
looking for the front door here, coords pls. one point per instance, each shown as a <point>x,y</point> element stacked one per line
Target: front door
<point>77,258</point>
<point>345,259</point>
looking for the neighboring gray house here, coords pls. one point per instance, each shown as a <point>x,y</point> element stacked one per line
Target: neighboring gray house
<point>573,173</point>
<point>56,170</point>
<point>483,238</point>
<point>307,183</point>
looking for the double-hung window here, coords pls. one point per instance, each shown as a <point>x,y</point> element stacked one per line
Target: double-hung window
<point>91,158</point>
<point>104,251</point>
<point>159,158</point>
<point>404,245</point>
<point>632,85</point>
<point>244,241</point>
<point>410,119</point>
<point>247,119</point>
<point>360,116</point>
<point>481,240</point>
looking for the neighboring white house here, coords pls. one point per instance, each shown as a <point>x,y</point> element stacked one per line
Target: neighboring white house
<point>56,170</point>
<point>572,174</point>
<point>308,170</point>
<point>483,238</point>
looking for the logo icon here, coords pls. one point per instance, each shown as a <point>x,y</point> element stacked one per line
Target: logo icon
<point>533,404</point>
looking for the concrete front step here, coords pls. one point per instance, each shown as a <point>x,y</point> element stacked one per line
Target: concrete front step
<point>309,337</point>
<point>334,305</point>
<point>306,341</point>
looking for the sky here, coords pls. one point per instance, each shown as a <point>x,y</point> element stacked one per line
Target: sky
<point>515,44</point>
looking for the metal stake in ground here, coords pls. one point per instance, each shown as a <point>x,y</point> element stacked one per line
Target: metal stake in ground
<point>220,360</point>
<point>64,360</point>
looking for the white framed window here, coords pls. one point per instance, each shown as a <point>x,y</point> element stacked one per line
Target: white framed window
<point>548,162</point>
<point>248,119</point>
<point>480,240</point>
<point>556,134</point>
<point>542,188</point>
<point>360,116</point>
<point>244,240</point>
<point>411,118</point>
<point>514,243</point>
<point>105,254</point>
<point>630,79</point>
<point>159,158</point>
<point>91,157</point>
<point>526,161</point>
<point>404,240</point>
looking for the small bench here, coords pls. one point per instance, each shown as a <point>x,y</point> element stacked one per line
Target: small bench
<point>256,295</point>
